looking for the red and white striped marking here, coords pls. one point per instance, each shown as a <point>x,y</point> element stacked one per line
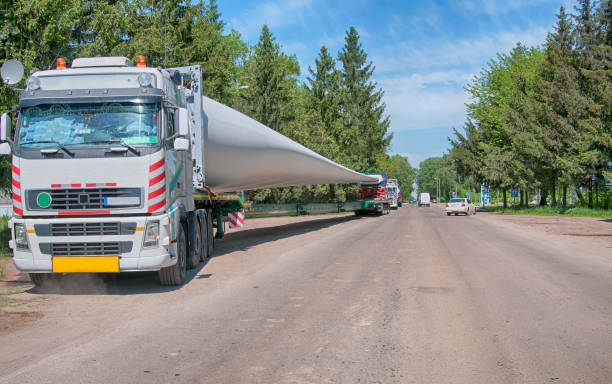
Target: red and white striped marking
<point>17,199</point>
<point>157,185</point>
<point>236,219</point>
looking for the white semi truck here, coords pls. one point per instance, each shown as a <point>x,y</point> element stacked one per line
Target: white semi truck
<point>393,191</point>
<point>120,168</point>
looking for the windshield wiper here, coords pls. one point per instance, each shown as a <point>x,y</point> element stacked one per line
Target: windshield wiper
<point>59,145</point>
<point>112,141</point>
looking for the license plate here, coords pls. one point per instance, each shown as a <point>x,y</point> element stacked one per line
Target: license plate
<point>64,264</point>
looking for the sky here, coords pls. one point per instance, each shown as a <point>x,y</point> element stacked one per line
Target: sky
<point>425,52</point>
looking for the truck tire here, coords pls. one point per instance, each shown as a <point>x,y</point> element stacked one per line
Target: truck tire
<point>195,243</point>
<point>211,235</point>
<point>43,280</point>
<point>175,274</point>
<point>203,219</point>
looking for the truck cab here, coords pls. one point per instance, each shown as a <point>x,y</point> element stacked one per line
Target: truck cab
<point>101,170</point>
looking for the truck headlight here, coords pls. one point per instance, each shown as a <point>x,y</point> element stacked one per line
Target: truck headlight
<point>151,237</point>
<point>145,79</point>
<point>21,237</point>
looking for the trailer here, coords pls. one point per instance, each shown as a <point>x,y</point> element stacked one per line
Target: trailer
<point>122,168</point>
<point>374,197</point>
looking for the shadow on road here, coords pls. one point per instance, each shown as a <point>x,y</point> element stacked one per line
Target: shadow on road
<point>148,283</point>
<point>243,240</point>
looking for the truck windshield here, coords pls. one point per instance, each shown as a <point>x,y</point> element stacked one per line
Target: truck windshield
<point>89,124</point>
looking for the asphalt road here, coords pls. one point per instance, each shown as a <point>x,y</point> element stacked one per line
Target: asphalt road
<point>412,297</point>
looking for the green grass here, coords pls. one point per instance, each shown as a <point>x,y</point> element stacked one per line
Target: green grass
<point>553,211</point>
<point>5,235</point>
<point>6,301</point>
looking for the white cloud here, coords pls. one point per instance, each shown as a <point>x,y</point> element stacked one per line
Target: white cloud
<point>414,105</point>
<point>495,8</point>
<point>275,14</point>
<point>432,95</point>
<point>404,56</point>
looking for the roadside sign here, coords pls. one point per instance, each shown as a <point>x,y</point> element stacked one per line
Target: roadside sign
<point>486,197</point>
<point>467,194</point>
<point>514,192</point>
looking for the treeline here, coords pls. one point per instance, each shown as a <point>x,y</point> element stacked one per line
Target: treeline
<point>438,176</point>
<point>540,118</point>
<point>338,111</point>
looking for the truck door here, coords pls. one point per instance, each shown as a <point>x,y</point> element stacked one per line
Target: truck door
<point>175,160</point>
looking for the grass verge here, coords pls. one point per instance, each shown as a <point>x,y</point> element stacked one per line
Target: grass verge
<point>553,211</point>
<point>5,235</point>
<point>6,301</point>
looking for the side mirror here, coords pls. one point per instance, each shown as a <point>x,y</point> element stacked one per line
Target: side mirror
<point>5,149</point>
<point>182,121</point>
<point>5,127</point>
<point>181,144</point>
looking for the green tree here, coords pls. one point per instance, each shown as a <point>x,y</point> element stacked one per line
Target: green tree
<point>271,77</point>
<point>404,173</point>
<point>364,133</point>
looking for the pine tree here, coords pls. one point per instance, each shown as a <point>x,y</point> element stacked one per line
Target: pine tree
<point>324,84</point>
<point>594,135</point>
<point>365,125</point>
<point>563,103</point>
<point>271,78</point>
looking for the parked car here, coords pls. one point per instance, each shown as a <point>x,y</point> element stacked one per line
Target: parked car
<point>424,199</point>
<point>459,205</point>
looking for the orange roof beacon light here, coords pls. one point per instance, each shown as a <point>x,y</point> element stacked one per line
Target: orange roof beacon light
<point>61,63</point>
<point>141,62</point>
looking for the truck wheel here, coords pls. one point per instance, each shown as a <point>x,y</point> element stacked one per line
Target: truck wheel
<point>204,235</point>
<point>195,247</point>
<point>43,280</point>
<point>175,274</point>
<point>447,213</point>
<point>211,237</point>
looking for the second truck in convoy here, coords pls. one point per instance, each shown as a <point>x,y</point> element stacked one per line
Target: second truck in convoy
<point>120,168</point>
<point>374,197</point>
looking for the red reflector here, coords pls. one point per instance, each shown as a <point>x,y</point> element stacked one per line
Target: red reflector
<point>16,197</point>
<point>75,185</point>
<point>111,184</point>
<point>447,205</point>
<point>61,63</point>
<point>463,204</point>
<point>16,183</point>
<point>141,61</point>
<point>56,185</point>
<point>18,211</point>
<point>90,184</point>
<point>16,170</point>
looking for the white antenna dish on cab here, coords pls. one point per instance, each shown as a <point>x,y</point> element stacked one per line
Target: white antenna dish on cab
<point>12,72</point>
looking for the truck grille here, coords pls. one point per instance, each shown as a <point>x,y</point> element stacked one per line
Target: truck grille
<point>85,249</point>
<point>86,198</point>
<point>85,229</point>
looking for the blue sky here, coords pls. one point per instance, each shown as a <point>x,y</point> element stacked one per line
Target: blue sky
<point>425,52</point>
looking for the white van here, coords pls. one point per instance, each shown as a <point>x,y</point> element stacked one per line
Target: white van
<point>424,199</point>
